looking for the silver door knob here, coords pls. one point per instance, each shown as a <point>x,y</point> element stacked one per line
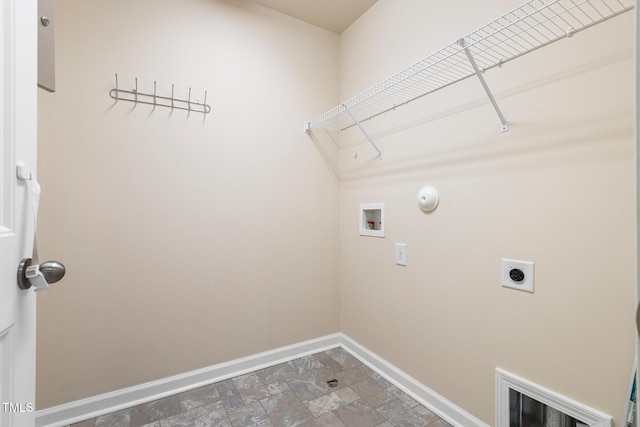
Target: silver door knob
<point>52,271</point>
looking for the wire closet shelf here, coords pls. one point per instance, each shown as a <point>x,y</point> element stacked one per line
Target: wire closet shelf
<point>524,29</point>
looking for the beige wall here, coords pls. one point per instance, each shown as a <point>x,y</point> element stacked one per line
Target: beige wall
<point>189,240</point>
<point>194,240</point>
<point>557,189</point>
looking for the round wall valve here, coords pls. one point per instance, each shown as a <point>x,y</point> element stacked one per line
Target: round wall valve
<point>428,198</point>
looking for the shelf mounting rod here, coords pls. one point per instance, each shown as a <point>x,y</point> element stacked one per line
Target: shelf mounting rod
<point>504,126</point>
<point>364,132</point>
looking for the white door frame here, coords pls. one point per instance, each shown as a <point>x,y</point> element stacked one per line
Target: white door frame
<point>18,141</point>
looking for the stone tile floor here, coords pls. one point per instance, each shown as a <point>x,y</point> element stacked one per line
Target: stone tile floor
<point>291,394</point>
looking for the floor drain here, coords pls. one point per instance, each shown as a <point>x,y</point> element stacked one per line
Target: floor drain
<point>332,383</point>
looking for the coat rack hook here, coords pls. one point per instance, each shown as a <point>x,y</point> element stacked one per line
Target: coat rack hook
<point>136,90</point>
<point>155,99</point>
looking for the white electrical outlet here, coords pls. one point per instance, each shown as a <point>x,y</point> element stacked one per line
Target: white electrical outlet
<point>517,274</point>
<point>401,253</point>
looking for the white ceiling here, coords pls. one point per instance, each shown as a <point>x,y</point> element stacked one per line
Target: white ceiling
<point>333,15</point>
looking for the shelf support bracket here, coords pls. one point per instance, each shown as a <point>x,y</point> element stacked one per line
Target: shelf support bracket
<point>364,132</point>
<point>504,126</point>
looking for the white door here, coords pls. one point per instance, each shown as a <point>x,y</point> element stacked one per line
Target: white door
<point>18,122</point>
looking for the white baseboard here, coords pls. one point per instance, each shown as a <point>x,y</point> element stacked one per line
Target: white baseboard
<point>84,409</point>
<point>442,407</point>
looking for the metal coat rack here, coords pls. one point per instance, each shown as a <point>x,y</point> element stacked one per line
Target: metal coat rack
<point>532,25</point>
<point>159,101</point>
